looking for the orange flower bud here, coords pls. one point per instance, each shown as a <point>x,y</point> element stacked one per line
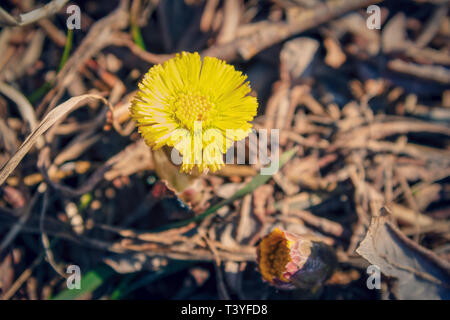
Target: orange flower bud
<point>290,261</point>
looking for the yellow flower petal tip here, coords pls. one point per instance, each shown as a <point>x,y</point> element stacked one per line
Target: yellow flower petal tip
<point>197,106</point>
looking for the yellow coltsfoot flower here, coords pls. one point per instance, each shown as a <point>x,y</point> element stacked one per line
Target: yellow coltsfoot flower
<point>198,107</point>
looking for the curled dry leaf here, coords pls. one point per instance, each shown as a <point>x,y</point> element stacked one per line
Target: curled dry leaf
<point>421,274</point>
<point>167,171</point>
<point>187,187</point>
<point>49,120</point>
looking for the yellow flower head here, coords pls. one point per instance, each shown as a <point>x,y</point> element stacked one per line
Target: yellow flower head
<point>198,107</point>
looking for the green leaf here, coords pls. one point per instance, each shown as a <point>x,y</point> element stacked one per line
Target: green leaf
<point>125,288</point>
<point>257,181</point>
<point>89,282</point>
<point>47,86</point>
<point>67,48</point>
<point>137,35</point>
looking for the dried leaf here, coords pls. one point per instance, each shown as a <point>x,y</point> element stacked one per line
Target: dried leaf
<point>298,54</point>
<point>394,34</point>
<point>420,273</point>
<point>177,181</point>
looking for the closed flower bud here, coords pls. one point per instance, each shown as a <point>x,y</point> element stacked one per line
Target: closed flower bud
<point>290,261</point>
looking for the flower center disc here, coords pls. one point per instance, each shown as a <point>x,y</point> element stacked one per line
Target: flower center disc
<point>192,107</point>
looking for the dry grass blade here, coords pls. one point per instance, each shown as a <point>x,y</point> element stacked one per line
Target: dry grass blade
<point>52,117</point>
<point>46,11</point>
<point>25,108</point>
